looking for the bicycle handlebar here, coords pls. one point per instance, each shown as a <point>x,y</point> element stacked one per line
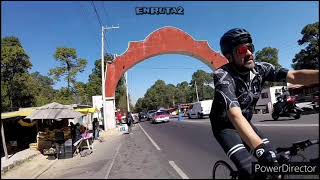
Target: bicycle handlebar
<point>301,145</point>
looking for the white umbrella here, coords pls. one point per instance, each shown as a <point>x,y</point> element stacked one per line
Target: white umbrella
<point>54,111</point>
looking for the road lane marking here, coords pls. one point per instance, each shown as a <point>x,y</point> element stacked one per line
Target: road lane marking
<point>179,171</point>
<point>263,125</point>
<point>289,125</point>
<point>114,157</point>
<point>154,143</point>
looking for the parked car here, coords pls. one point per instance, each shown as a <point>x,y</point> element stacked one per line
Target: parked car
<point>200,109</point>
<point>142,116</point>
<point>160,116</point>
<point>150,114</point>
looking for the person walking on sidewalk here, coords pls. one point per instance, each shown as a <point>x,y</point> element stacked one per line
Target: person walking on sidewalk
<point>129,122</point>
<point>95,127</point>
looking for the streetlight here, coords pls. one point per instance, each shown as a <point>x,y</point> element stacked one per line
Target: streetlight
<point>104,73</point>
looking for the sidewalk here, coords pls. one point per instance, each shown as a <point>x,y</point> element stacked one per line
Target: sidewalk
<point>118,156</point>
<point>17,159</point>
<point>31,163</point>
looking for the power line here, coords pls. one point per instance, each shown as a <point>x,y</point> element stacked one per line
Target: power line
<point>95,10</point>
<point>99,20</point>
<point>85,14</point>
<point>104,9</point>
<point>106,22</point>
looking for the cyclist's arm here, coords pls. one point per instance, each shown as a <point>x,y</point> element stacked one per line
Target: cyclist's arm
<point>303,77</point>
<point>245,130</point>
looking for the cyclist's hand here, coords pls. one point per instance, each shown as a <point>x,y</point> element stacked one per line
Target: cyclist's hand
<point>265,156</point>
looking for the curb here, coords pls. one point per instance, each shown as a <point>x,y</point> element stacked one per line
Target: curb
<point>17,163</point>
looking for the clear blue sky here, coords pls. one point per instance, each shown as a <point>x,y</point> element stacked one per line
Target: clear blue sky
<point>44,26</point>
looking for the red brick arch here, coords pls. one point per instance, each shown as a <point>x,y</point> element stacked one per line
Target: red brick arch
<point>166,40</point>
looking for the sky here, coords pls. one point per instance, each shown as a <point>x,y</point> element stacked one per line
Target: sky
<point>43,26</point>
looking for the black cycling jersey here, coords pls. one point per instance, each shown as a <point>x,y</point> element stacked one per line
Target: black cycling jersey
<point>233,89</point>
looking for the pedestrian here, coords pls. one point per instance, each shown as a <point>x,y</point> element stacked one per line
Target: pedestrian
<point>119,117</point>
<point>238,85</point>
<point>180,115</point>
<point>95,127</point>
<point>129,120</point>
<point>77,132</point>
<point>73,131</point>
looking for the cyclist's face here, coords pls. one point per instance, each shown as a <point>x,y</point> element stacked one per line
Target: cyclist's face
<point>243,56</point>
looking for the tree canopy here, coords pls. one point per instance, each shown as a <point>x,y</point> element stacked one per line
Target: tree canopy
<point>15,64</point>
<point>308,58</point>
<point>70,66</point>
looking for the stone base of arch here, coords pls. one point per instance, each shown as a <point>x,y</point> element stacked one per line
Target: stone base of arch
<point>109,114</point>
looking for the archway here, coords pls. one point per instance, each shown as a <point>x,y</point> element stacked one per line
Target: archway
<point>166,40</point>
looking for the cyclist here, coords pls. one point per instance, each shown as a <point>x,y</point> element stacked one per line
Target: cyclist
<point>238,86</point>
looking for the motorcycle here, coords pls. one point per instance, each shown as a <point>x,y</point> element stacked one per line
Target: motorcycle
<point>286,108</point>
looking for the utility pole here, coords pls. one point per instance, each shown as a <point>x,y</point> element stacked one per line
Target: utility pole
<point>195,83</point>
<point>103,74</point>
<point>126,76</point>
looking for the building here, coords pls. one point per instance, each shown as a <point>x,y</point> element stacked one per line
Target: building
<point>304,93</point>
<point>267,99</point>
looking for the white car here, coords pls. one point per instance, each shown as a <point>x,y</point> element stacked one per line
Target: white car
<point>160,116</point>
<point>200,109</point>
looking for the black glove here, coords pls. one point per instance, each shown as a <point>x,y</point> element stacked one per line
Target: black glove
<point>265,156</point>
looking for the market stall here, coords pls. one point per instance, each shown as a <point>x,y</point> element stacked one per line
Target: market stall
<point>54,135</point>
<point>16,132</point>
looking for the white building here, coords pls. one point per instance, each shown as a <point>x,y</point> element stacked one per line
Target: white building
<point>267,99</point>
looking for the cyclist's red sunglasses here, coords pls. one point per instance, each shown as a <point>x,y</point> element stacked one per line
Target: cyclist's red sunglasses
<point>242,50</point>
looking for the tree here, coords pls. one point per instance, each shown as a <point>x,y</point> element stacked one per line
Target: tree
<point>70,65</point>
<point>139,106</point>
<point>182,92</point>
<point>42,88</point>
<point>82,93</point>
<point>170,95</point>
<point>156,96</point>
<point>308,58</point>
<point>201,78</point>
<point>64,96</point>
<point>269,55</point>
<point>121,96</point>
<point>15,64</point>
<point>94,84</point>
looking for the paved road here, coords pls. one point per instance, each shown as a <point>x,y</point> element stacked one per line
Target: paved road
<point>173,150</point>
<point>190,143</point>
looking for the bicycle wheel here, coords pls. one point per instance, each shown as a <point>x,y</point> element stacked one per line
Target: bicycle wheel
<point>222,170</point>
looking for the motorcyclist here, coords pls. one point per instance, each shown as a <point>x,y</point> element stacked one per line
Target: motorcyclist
<point>284,97</point>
